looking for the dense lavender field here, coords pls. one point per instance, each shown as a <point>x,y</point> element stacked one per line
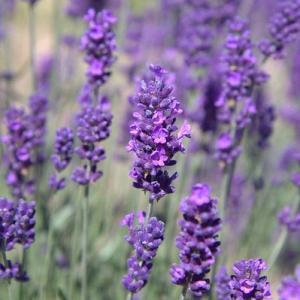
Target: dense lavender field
<point>150,149</point>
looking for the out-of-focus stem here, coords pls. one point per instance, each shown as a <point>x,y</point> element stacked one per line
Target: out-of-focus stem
<point>280,242</point>
<point>129,296</point>
<point>74,254</point>
<point>2,246</point>
<point>32,41</point>
<point>184,291</point>
<point>24,263</point>
<point>84,243</point>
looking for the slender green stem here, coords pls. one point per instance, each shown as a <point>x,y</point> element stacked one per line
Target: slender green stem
<point>183,292</point>
<point>24,263</point>
<point>84,243</point>
<point>129,296</point>
<point>277,248</point>
<point>74,254</point>
<point>149,212</point>
<point>32,37</point>
<point>280,242</point>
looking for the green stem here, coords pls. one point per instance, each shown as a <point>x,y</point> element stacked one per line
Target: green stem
<point>84,243</point>
<point>24,263</point>
<point>280,242</point>
<point>149,212</point>
<point>32,37</point>
<point>129,296</point>
<point>74,254</point>
<point>184,292</point>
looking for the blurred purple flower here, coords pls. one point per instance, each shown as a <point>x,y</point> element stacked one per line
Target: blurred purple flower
<point>13,271</point>
<point>63,152</point>
<point>44,73</point>
<point>290,287</point>
<point>287,219</point>
<point>197,241</point>
<point>153,135</point>
<point>240,75</point>
<point>284,29</point>
<point>99,45</point>
<point>78,8</point>
<point>223,290</point>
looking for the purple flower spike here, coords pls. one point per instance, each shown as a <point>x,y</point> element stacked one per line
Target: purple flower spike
<point>99,45</point>
<point>284,29</point>
<point>93,126</point>
<point>12,271</point>
<point>23,142</point>
<point>222,285</point>
<point>153,134</point>
<point>287,219</point>
<point>17,222</point>
<point>290,288</point>
<point>145,240</point>
<point>247,282</point>
<point>197,242</point>
<point>63,152</point>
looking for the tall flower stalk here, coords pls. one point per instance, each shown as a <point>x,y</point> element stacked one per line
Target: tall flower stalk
<point>94,120</point>
<point>197,242</point>
<point>154,141</point>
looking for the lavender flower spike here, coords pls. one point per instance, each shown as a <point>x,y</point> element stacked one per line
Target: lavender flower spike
<point>290,288</point>
<point>247,282</point>
<point>153,134</point>
<point>222,285</point>
<point>93,127</point>
<point>99,45</point>
<point>197,241</point>
<point>284,29</point>
<point>145,240</point>
<point>63,152</point>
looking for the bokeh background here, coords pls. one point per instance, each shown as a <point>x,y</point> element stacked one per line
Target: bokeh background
<point>56,274</point>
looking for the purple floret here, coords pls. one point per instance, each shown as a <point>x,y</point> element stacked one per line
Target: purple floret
<point>197,241</point>
<point>154,136</point>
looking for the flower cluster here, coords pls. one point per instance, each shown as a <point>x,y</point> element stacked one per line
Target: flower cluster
<point>44,73</point>
<point>153,135</point>
<point>283,29</point>
<point>13,271</point>
<point>198,32</point>
<point>92,126</point>
<point>263,121</point>
<point>17,220</point>
<point>145,238</point>
<point>19,152</point>
<point>240,76</point>
<point>247,282</point>
<point>99,46</point>
<point>223,291</point>
<point>291,222</point>
<point>198,241</point>
<point>63,152</point>
<point>38,107</point>
<point>290,288</point>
